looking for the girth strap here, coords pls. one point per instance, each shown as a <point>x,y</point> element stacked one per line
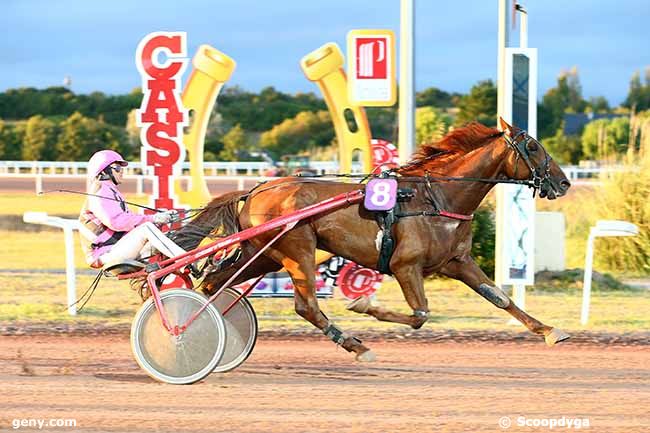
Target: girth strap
<point>386,221</point>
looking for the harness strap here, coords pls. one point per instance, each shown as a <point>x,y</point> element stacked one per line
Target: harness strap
<point>443,213</point>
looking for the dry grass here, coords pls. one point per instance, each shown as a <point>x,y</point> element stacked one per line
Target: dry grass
<point>54,203</point>
<point>41,298</point>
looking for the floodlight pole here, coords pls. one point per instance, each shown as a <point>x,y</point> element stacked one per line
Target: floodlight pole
<point>502,40</point>
<point>523,27</point>
<point>406,128</point>
<point>519,290</point>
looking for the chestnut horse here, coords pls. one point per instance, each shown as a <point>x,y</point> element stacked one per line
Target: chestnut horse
<point>425,244</point>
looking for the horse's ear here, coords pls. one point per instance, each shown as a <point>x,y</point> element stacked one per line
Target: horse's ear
<point>505,127</point>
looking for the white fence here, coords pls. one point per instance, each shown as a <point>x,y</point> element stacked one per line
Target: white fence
<point>74,168</point>
<point>211,168</point>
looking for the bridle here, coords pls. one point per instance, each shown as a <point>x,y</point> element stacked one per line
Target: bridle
<point>538,175</point>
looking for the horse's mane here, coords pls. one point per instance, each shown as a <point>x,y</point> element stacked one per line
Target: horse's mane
<point>457,143</point>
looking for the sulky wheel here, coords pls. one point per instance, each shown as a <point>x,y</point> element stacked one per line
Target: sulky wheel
<point>241,327</point>
<point>182,359</point>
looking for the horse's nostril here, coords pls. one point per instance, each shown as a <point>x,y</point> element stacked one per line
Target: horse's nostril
<point>565,184</point>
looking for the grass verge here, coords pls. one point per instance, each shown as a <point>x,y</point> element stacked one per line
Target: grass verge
<point>41,298</point>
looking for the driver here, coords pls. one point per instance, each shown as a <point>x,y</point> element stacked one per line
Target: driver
<point>110,233</point>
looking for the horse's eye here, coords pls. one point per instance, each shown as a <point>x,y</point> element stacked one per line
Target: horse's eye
<point>532,146</point>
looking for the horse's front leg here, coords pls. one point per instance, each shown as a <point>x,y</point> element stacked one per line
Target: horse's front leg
<point>466,270</point>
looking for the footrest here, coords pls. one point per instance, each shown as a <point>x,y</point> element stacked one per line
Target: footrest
<point>123,267</point>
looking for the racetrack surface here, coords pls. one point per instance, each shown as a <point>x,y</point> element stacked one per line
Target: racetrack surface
<point>308,385</point>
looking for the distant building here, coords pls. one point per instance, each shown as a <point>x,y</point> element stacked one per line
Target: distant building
<point>574,122</point>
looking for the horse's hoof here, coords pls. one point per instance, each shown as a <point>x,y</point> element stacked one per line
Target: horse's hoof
<point>359,305</point>
<point>555,336</point>
<point>367,356</point>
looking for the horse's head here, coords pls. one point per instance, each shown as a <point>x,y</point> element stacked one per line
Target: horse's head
<point>529,160</point>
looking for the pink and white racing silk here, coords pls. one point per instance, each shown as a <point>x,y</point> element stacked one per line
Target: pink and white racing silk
<point>103,221</point>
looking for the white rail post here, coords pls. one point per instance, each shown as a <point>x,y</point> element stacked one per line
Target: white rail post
<point>39,184</point>
<point>68,226</point>
<point>603,228</point>
<point>70,273</point>
<point>139,185</point>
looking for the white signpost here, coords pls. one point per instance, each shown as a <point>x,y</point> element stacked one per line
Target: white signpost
<point>515,204</point>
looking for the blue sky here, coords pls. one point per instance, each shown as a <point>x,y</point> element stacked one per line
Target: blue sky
<point>94,41</point>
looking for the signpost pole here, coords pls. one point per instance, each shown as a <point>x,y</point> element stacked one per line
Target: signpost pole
<point>406,81</point>
<point>519,290</point>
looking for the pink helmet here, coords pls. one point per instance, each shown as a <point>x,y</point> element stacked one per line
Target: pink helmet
<point>102,159</point>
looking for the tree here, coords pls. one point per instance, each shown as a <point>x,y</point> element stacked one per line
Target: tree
<point>603,138</point>
<point>234,143</point>
<point>431,124</point>
<point>3,144</point>
<point>383,122</point>
<point>480,104</point>
<point>132,130</point>
<point>214,135</point>
<point>565,149</point>
<point>565,97</point>
<point>638,96</point>
<point>598,104</point>
<point>483,238</point>
<point>11,140</point>
<point>305,131</point>
<point>574,91</point>
<point>40,139</point>
<point>72,142</point>
<point>81,136</point>
<point>261,112</point>
<point>25,102</point>
<point>436,98</point>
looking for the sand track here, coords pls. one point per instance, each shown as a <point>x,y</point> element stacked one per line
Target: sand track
<point>301,385</point>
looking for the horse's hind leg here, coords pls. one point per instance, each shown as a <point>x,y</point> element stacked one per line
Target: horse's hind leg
<point>467,271</point>
<point>296,253</point>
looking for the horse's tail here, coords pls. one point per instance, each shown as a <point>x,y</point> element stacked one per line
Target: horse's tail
<point>218,219</point>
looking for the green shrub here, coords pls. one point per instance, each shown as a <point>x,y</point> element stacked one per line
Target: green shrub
<point>483,238</point>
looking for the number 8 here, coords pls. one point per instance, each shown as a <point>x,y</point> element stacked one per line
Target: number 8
<point>380,194</point>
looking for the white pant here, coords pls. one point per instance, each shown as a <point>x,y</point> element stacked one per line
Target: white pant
<point>142,241</point>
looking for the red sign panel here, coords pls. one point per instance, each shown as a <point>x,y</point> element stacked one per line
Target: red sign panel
<point>371,58</point>
<point>162,115</point>
<point>355,281</point>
